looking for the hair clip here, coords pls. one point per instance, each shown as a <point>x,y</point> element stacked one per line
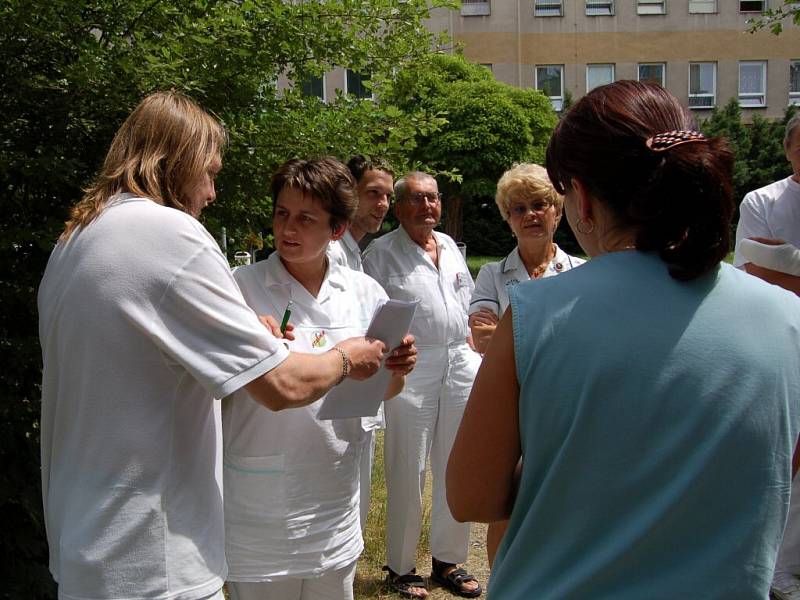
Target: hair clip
<point>664,141</point>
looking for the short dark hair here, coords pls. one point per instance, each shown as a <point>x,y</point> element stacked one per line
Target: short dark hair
<point>678,202</point>
<point>360,164</point>
<point>326,179</point>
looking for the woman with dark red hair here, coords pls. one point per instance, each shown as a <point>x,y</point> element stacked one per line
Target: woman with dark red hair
<point>651,394</point>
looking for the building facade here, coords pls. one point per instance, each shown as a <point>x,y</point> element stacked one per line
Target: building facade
<point>698,49</point>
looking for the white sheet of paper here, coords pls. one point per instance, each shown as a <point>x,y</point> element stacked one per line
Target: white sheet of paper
<point>352,398</point>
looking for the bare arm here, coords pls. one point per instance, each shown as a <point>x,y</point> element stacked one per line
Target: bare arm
<point>482,325</point>
<point>784,280</point>
<point>304,378</point>
<point>487,446</point>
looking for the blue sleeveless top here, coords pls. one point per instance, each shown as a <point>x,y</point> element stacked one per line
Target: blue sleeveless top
<point>657,420</point>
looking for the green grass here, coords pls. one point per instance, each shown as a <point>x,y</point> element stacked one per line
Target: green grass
<point>476,262</point>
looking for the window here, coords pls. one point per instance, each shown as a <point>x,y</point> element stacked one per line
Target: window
<point>597,75</point>
<point>651,7</point>
<point>354,84</point>
<point>794,82</point>
<point>547,8</point>
<point>475,8</point>
<point>753,83</point>
<point>314,86</point>
<point>652,73</point>
<point>488,66</point>
<point>752,5</point>
<point>600,8</point>
<point>702,6</point>
<point>550,81</point>
<point>702,85</point>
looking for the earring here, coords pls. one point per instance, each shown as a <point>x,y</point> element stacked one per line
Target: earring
<point>581,231</point>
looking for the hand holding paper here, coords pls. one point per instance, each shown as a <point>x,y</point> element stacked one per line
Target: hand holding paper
<point>351,398</point>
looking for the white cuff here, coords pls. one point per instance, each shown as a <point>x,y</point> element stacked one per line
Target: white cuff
<point>784,258</point>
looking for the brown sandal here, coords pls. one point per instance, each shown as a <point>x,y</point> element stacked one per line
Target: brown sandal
<point>402,584</point>
<point>455,579</point>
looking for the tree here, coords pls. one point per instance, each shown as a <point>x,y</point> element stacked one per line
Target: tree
<point>774,18</point>
<point>758,147</point>
<point>489,126</point>
<point>73,69</point>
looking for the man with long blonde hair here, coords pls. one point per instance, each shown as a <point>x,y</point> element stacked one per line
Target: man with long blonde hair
<point>141,327</point>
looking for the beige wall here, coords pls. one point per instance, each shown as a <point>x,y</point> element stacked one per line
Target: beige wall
<point>514,41</point>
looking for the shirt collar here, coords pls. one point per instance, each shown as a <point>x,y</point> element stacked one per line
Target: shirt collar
<point>334,279</point>
<point>349,241</point>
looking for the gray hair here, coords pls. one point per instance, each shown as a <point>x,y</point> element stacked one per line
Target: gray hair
<point>793,124</point>
<point>400,184</point>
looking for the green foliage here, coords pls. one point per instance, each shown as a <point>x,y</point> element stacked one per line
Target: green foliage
<point>489,126</point>
<point>74,69</point>
<point>758,147</point>
<point>774,18</point>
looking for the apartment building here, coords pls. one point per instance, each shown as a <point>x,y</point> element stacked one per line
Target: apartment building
<point>699,49</point>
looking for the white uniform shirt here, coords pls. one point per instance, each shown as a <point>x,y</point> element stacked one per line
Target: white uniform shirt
<point>291,480</point>
<point>494,279</point>
<point>406,272</point>
<point>772,211</point>
<point>346,252</point>
<point>141,326</point>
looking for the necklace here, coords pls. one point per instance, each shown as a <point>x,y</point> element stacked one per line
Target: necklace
<point>540,269</point>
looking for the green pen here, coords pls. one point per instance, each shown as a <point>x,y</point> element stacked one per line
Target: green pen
<point>286,314</point>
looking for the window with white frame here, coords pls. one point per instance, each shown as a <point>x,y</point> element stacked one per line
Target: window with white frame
<point>475,8</point>
<point>651,7</point>
<point>653,73</point>
<point>599,8</point>
<point>702,85</point>
<point>702,6</point>
<point>354,84</point>
<point>794,82</point>
<point>314,86</point>
<point>550,81</point>
<point>752,5</point>
<point>597,75</point>
<point>753,83</point>
<point>548,8</point>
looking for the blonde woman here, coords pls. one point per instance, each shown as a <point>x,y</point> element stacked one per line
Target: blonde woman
<point>532,208</point>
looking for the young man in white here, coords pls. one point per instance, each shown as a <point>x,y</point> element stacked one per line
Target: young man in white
<point>771,215</point>
<point>291,479</point>
<point>142,326</point>
<point>375,185</point>
<point>414,262</point>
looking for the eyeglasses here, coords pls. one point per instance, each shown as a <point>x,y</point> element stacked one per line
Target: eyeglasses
<point>540,207</point>
<point>418,198</point>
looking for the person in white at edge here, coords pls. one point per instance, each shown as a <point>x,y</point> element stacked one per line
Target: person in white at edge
<point>291,480</point>
<point>532,208</point>
<point>416,263</point>
<point>374,183</point>
<point>771,214</point>
<point>142,326</point>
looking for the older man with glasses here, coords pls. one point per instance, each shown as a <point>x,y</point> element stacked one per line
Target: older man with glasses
<point>414,262</point>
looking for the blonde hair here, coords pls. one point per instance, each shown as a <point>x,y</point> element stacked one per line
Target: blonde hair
<point>529,181</point>
<point>164,145</point>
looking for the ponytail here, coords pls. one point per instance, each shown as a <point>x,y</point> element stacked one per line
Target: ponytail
<point>631,144</point>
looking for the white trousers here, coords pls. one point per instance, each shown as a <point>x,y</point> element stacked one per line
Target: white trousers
<point>789,553</point>
<point>421,423</point>
<point>333,585</point>
<point>365,477</point>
